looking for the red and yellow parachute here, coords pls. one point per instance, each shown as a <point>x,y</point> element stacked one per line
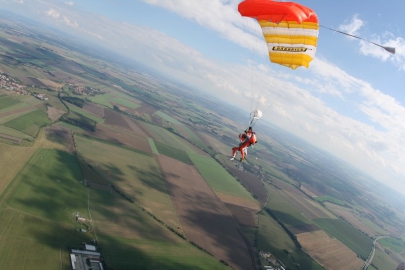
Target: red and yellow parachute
<point>290,30</point>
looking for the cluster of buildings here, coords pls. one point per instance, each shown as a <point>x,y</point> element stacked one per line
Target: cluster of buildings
<point>40,96</point>
<point>9,83</point>
<point>274,263</point>
<point>83,90</point>
<point>86,258</point>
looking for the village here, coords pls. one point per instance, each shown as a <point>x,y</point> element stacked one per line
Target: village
<point>10,84</point>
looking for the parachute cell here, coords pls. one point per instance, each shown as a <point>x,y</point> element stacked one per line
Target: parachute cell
<point>289,29</point>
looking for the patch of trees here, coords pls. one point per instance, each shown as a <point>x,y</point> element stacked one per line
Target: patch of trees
<point>81,121</point>
<point>75,101</point>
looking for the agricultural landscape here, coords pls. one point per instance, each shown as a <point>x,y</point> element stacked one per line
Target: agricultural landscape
<point>94,149</point>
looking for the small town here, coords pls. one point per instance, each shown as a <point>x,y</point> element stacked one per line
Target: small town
<point>11,84</point>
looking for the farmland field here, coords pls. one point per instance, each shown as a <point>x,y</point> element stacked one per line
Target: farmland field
<point>382,260</point>
<point>85,113</point>
<point>274,239</point>
<point>6,101</point>
<point>43,176</point>
<point>30,199</point>
<point>11,161</point>
<point>136,175</point>
<point>218,178</point>
<point>204,218</point>
<point>394,244</point>
<point>253,184</point>
<point>120,137</point>
<point>114,118</point>
<point>347,234</point>
<point>55,137</point>
<point>166,137</point>
<point>352,217</point>
<point>329,252</point>
<point>14,133</point>
<point>130,238</point>
<point>29,123</point>
<point>172,152</point>
<point>281,207</point>
<point>94,109</point>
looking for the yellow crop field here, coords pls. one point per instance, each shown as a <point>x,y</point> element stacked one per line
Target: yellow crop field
<point>329,252</point>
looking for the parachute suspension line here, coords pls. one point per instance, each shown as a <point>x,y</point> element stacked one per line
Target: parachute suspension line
<point>388,49</point>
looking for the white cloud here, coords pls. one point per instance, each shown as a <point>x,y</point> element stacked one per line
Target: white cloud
<point>387,39</point>
<point>19,1</point>
<point>68,22</point>
<point>220,16</point>
<point>353,26</point>
<point>53,13</point>
<point>69,3</point>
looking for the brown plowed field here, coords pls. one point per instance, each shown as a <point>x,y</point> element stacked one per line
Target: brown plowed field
<point>54,113</point>
<point>114,118</point>
<point>204,218</point>
<point>246,217</point>
<point>120,137</point>
<point>328,252</point>
<point>93,109</point>
<point>253,184</point>
<point>137,129</point>
<point>146,108</point>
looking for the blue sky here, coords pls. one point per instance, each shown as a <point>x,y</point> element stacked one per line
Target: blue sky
<point>350,101</point>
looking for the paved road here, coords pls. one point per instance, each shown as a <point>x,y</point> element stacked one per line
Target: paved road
<point>371,256</point>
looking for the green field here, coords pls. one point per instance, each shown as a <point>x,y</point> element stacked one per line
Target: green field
<point>347,234</point>
<point>29,123</point>
<point>285,211</point>
<point>167,118</point>
<point>36,212</point>
<point>274,239</point>
<point>6,101</point>
<point>16,106</point>
<point>14,133</point>
<point>172,152</point>
<point>166,137</point>
<point>49,173</point>
<point>382,260</point>
<point>80,120</point>
<point>134,174</point>
<point>85,113</point>
<point>396,245</point>
<point>115,97</point>
<point>131,239</point>
<point>218,178</point>
<point>331,199</point>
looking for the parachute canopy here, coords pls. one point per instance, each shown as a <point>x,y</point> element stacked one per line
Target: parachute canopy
<point>289,29</point>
